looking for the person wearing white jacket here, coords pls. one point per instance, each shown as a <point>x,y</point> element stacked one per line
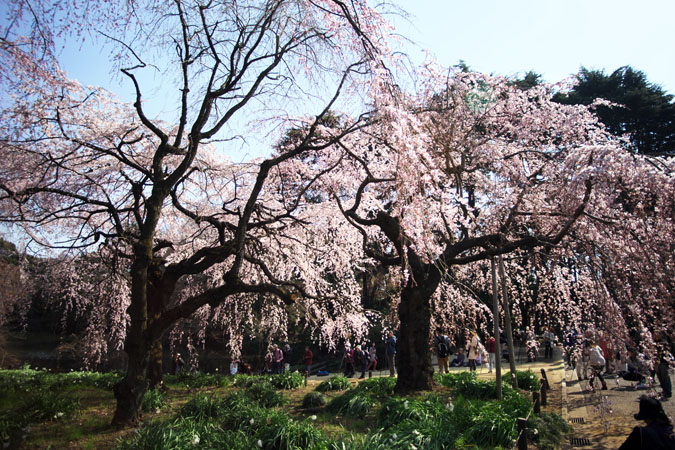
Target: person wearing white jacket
<point>597,363</point>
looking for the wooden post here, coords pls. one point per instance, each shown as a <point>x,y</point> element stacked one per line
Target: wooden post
<point>507,325</point>
<point>495,316</point>
<point>544,378</point>
<point>537,404</point>
<point>521,427</point>
<point>542,392</point>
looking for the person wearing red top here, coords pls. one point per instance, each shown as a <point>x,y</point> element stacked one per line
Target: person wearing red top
<point>491,345</point>
<point>307,357</point>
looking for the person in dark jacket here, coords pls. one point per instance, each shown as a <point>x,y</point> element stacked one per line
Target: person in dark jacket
<point>390,352</point>
<point>349,362</point>
<point>657,434</point>
<point>361,360</point>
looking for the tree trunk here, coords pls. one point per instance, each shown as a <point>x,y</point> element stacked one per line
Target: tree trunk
<point>155,366</point>
<point>130,390</point>
<point>160,288</point>
<point>413,353</point>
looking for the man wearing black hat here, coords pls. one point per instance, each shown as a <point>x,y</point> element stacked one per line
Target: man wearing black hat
<point>657,435</point>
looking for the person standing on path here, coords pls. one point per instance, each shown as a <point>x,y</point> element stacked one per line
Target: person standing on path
<point>361,361</point>
<point>597,362</point>
<point>491,348</point>
<point>390,352</point>
<point>372,360</point>
<point>288,356</point>
<point>442,344</point>
<point>569,345</point>
<point>549,339</point>
<point>278,359</point>
<point>307,359</point>
<point>472,348</point>
<point>349,362</point>
<point>664,358</point>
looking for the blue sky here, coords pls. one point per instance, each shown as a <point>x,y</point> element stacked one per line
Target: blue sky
<point>552,37</point>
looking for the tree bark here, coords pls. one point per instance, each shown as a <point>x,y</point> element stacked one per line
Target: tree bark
<point>413,355</point>
<point>130,390</point>
<point>155,364</point>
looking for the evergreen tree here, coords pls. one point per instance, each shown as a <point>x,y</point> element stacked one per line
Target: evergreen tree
<point>644,110</point>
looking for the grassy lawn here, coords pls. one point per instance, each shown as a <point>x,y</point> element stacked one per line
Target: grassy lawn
<point>42,410</point>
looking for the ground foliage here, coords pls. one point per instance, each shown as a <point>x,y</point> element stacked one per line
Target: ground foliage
<point>462,413</point>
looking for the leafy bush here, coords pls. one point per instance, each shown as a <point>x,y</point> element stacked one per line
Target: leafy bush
<point>549,431</point>
<point>26,378</point>
<point>184,433</point>
<point>352,403</point>
<point>43,405</point>
<point>336,383</point>
<point>437,423</point>
<point>202,407</point>
<point>493,427</point>
<point>314,400</point>
<point>456,379</point>
<point>528,380</point>
<point>287,380</point>
<point>379,387</point>
<point>199,379</point>
<point>265,395</point>
<point>153,400</point>
<point>396,410</point>
<point>285,433</point>
<point>246,381</point>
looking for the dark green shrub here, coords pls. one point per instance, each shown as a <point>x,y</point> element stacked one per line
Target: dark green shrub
<point>265,395</point>
<point>246,381</point>
<point>198,379</point>
<point>492,427</point>
<point>153,400</point>
<point>455,379</point>
<point>528,380</point>
<point>285,433</point>
<point>204,407</point>
<point>287,380</point>
<point>352,403</point>
<point>379,387</point>
<point>549,431</point>
<point>314,400</point>
<point>336,383</point>
<point>397,410</point>
<point>185,433</point>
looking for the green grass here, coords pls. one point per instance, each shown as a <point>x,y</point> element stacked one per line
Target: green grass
<point>271,410</point>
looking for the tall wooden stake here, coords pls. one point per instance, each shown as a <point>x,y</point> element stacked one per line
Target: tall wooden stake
<point>507,325</point>
<point>495,315</point>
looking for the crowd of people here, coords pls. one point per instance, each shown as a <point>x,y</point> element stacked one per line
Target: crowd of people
<point>592,355</point>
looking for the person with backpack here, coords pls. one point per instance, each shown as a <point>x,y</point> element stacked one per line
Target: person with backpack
<point>442,344</point>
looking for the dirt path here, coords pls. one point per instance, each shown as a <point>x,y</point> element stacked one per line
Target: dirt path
<point>608,415</point>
